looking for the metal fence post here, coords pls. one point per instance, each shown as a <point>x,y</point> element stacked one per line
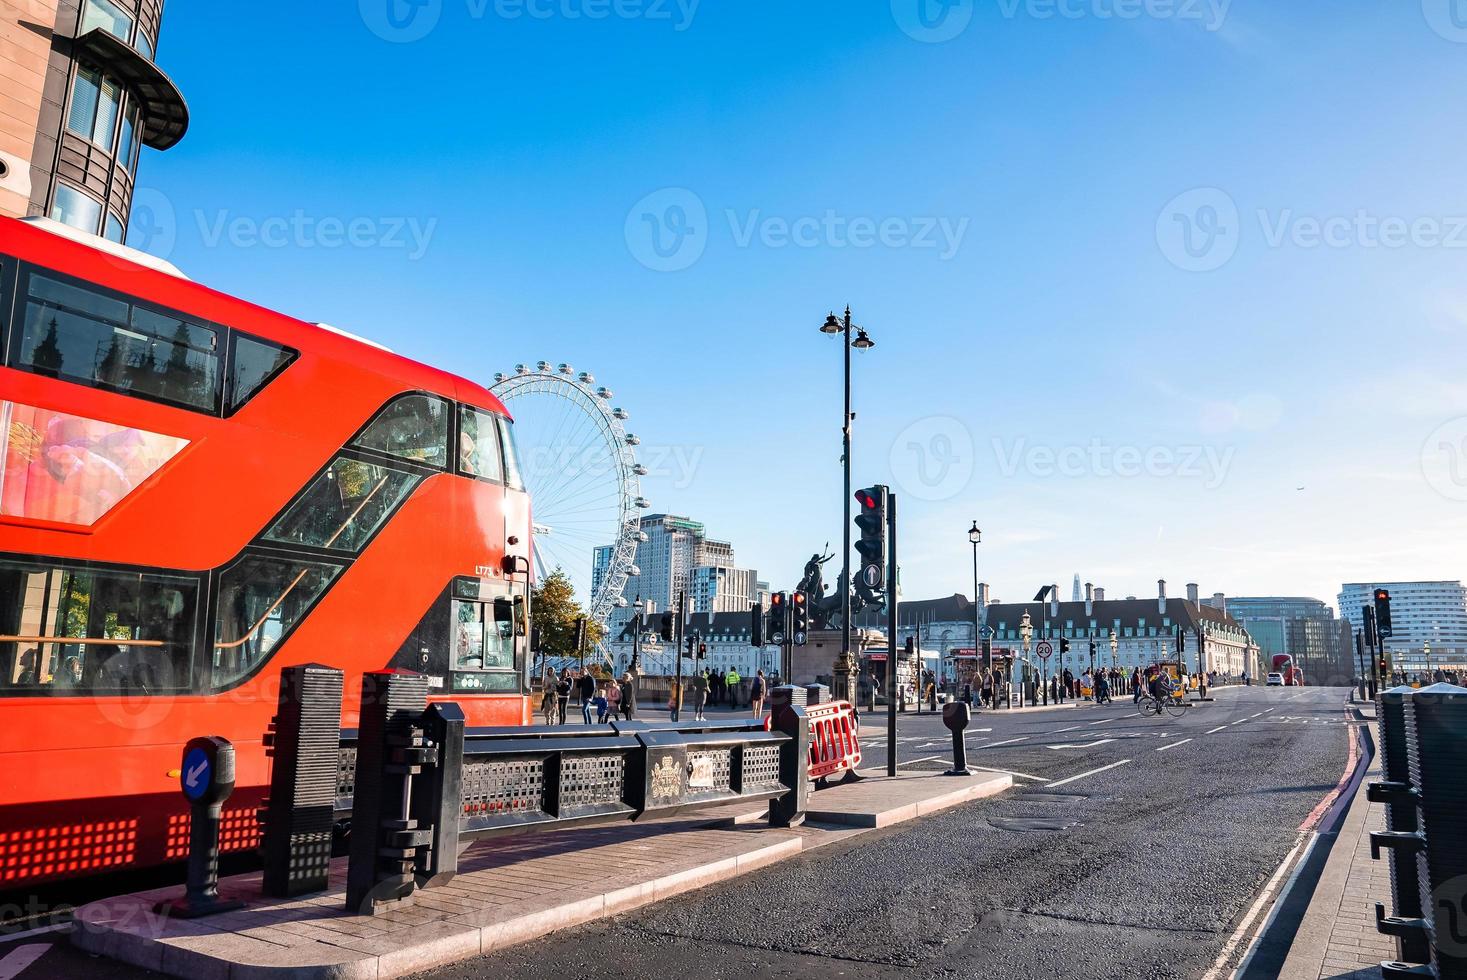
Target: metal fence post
<point>438,796</point>
<point>385,837</point>
<point>794,762</point>
<point>304,745</point>
<point>1407,924</point>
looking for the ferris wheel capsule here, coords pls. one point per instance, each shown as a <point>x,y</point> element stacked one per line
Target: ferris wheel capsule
<point>542,366</point>
<point>586,378</point>
<point>565,369</point>
<point>604,393</point>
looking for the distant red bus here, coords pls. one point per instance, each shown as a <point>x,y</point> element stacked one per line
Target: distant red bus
<point>196,492</point>
<point>1284,664</point>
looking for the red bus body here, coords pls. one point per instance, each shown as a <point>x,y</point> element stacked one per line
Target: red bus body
<point>1283,663</point>
<point>88,774</point>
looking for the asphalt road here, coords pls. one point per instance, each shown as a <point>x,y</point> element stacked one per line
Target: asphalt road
<point>1129,848</point>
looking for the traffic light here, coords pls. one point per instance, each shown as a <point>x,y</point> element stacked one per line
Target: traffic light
<point>1064,645</point>
<point>1092,649</point>
<point>1382,612</point>
<point>1181,640</point>
<point>756,626</point>
<point>580,634</point>
<point>665,628</point>
<point>872,546</point>
<point>702,651</point>
<point>779,615</point>
<point>799,618</point>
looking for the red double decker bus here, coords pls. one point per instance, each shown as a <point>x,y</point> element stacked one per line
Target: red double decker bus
<point>196,492</point>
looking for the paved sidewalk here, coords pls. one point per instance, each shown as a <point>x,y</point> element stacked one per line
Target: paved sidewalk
<point>1338,938</point>
<point>508,890</point>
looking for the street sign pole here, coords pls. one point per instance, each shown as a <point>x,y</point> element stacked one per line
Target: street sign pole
<point>891,628</point>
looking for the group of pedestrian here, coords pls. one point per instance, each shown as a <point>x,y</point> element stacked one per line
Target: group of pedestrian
<point>715,687</point>
<point>601,698</point>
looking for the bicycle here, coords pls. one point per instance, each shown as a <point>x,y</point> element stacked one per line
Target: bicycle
<point>1149,706</point>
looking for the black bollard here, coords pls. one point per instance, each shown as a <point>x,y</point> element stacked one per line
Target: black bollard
<point>304,745</point>
<point>956,717</point>
<point>207,779</point>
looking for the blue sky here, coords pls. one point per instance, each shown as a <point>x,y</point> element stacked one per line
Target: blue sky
<point>1137,271</point>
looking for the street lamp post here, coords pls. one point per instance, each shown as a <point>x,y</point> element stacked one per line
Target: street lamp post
<point>834,326</point>
<point>1026,633</point>
<point>1114,646</point>
<point>975,536</point>
<point>1426,649</point>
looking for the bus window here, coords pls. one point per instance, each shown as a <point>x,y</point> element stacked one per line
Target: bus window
<point>78,333</point>
<point>414,427</point>
<point>260,601</point>
<point>484,655</point>
<point>254,365</point>
<point>344,507</point>
<point>512,474</point>
<point>478,445</point>
<point>67,631</point>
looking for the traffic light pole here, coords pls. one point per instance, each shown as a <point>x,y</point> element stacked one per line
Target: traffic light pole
<point>677,651</point>
<point>891,632</point>
<point>845,597</point>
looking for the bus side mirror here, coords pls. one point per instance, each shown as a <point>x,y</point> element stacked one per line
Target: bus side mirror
<point>521,616</point>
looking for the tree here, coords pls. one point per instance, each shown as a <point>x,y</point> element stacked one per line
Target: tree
<point>553,614</point>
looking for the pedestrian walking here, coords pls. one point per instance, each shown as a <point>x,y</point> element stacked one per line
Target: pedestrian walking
<point>628,697</point>
<point>675,701</point>
<point>756,694</point>
<point>731,680</point>
<point>602,704</point>
<point>700,695</point>
<point>613,700</point>
<point>562,694</point>
<point>586,691</point>
<point>986,686</point>
<point>547,696</point>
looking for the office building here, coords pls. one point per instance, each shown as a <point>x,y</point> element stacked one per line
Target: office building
<point>81,95</point>
<point>1303,628</point>
<point>1422,613</point>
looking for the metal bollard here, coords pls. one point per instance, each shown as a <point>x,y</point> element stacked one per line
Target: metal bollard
<point>304,745</point>
<point>956,717</point>
<point>1407,924</point>
<point>391,750</point>
<point>794,767</point>
<point>207,778</point>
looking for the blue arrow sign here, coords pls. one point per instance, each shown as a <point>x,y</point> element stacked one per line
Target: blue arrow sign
<point>987,632</point>
<point>196,775</point>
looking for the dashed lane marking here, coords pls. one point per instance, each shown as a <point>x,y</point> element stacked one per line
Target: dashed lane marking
<point>1083,745</point>
<point>14,964</point>
<point>1092,772</point>
<point>1011,741</point>
<point>1174,745</point>
<point>1217,729</point>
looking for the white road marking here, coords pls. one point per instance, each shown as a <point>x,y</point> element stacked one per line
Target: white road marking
<point>930,758</point>
<point>1217,729</point>
<point>1092,772</point>
<point>1082,745</point>
<point>994,745</point>
<point>1010,772</point>
<point>1174,745</point>
<point>20,958</point>
<point>1240,721</point>
<point>1220,964</point>
<point>1060,731</point>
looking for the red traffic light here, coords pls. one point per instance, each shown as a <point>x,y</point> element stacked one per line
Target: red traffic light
<point>777,599</point>
<point>799,598</point>
<point>1381,595</point>
<point>867,499</point>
